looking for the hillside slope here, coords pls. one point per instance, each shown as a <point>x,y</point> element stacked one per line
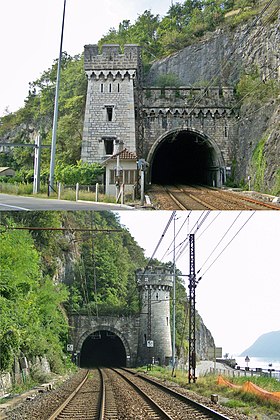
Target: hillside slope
<point>244,58</point>
<point>267,345</point>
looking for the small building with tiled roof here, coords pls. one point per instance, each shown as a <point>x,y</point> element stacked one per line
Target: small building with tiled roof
<point>121,168</point>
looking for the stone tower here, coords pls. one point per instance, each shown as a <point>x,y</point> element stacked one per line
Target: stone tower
<point>109,124</point>
<point>154,342</point>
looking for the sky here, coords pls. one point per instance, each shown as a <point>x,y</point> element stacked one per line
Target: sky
<point>239,296</point>
<point>30,36</point>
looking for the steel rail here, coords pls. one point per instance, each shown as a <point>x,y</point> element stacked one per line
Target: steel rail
<point>149,400</point>
<point>70,398</point>
<point>254,201</point>
<point>209,189</point>
<point>182,206</point>
<point>198,406</point>
<point>102,400</point>
<point>227,195</point>
<point>179,204</point>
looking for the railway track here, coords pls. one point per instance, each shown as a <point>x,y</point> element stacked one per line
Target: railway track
<point>182,197</point>
<point>86,401</point>
<point>167,403</point>
<point>120,393</point>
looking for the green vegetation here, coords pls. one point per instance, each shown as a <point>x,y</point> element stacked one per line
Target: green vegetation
<point>32,321</point>
<point>100,280</point>
<point>104,280</point>
<point>252,90</point>
<point>183,23</point>
<point>259,165</point>
<point>33,308</point>
<point>37,114</point>
<point>248,404</point>
<point>168,80</point>
<point>255,94</point>
<point>276,188</point>
<point>83,173</point>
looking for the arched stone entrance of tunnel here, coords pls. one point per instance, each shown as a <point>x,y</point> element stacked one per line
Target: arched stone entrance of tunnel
<point>103,347</point>
<point>186,156</point>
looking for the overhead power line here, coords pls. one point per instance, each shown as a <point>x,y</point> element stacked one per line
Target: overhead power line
<point>194,229</point>
<point>167,251</point>
<point>217,215</point>
<point>224,235</point>
<point>160,240</point>
<point>227,245</point>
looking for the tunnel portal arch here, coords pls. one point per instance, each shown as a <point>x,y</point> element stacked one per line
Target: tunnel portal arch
<point>186,156</point>
<point>103,346</point>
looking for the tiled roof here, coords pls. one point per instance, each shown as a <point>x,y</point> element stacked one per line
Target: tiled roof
<point>124,155</point>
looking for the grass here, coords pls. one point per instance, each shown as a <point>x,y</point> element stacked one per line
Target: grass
<point>67,194</point>
<point>247,403</point>
<point>20,388</point>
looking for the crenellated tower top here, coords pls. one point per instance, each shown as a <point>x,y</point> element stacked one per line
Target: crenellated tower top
<point>155,277</point>
<point>111,57</point>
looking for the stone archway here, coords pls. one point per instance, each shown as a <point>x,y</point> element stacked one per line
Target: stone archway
<point>186,156</point>
<point>103,346</point>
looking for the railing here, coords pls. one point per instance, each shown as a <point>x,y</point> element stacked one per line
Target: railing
<point>90,192</point>
<point>244,371</point>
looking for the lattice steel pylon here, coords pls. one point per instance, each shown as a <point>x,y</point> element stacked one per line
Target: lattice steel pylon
<point>192,287</point>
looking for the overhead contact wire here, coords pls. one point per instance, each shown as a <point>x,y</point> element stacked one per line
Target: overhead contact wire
<point>220,241</point>
<point>227,245</point>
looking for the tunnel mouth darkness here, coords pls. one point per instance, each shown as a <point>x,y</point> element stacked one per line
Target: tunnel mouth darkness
<point>102,348</point>
<point>184,158</point>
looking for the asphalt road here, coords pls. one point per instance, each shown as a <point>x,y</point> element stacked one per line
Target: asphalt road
<point>20,203</point>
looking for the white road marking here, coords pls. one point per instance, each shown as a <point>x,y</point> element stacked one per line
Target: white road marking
<point>14,207</point>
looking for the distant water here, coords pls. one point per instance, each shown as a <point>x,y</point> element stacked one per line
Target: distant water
<point>258,362</point>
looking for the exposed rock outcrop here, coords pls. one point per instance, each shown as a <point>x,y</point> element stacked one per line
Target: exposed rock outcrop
<point>220,59</point>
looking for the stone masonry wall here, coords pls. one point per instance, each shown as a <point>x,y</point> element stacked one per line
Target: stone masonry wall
<point>171,108</point>
<point>126,328</point>
<point>110,107</point>
<point>222,57</point>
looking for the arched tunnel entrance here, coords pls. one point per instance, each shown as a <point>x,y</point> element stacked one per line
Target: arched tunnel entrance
<point>186,157</point>
<point>102,348</point>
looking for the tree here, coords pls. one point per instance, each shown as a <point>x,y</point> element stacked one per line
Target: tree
<point>31,319</point>
<point>105,274</point>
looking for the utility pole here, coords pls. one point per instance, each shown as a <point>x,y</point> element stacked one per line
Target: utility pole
<point>55,116</point>
<point>174,301</point>
<point>192,287</point>
<point>37,164</point>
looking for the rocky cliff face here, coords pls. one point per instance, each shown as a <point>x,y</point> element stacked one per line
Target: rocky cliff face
<point>204,339</point>
<point>220,59</point>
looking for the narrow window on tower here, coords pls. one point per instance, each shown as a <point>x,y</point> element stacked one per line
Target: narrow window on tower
<point>118,87</point>
<point>109,146</point>
<point>226,131</point>
<point>102,88</point>
<point>109,113</point>
<point>110,87</point>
